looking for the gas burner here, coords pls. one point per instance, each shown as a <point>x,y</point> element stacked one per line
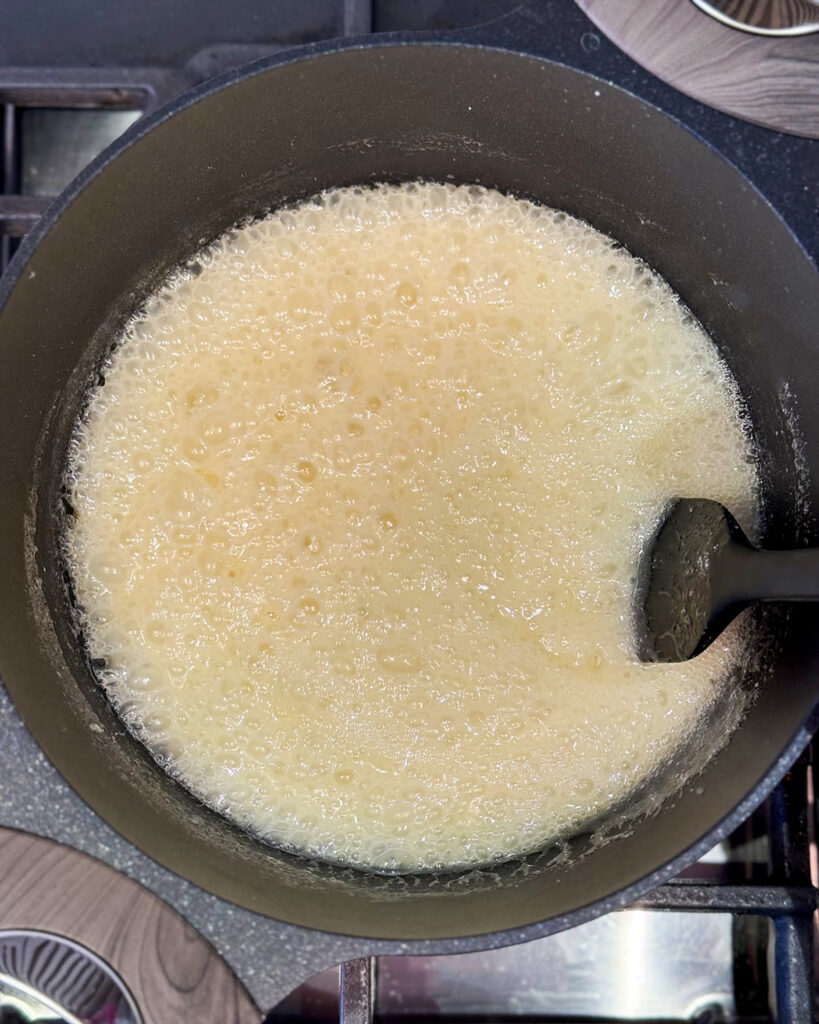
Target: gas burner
<point>765,17</point>
<point>44,977</point>
<point>709,51</point>
<point>84,944</point>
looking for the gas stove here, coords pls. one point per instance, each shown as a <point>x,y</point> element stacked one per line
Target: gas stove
<point>732,939</point>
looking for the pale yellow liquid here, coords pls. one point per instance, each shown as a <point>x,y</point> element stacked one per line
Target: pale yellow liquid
<point>359,509</point>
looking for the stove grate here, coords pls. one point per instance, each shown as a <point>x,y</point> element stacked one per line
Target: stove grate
<point>786,897</point>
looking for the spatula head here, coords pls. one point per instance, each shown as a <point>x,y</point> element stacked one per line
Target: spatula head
<point>675,614</point>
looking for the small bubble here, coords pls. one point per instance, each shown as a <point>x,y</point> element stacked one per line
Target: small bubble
<point>460,273</point>
<point>406,294</point>
<point>157,631</point>
<point>306,470</point>
<point>298,307</point>
<point>201,396</point>
<point>344,317</point>
<point>399,657</point>
<point>312,543</point>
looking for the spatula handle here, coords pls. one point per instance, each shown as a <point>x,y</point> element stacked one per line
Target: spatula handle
<point>745,574</point>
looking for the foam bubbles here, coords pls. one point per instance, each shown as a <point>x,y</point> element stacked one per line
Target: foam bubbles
<point>357,515</point>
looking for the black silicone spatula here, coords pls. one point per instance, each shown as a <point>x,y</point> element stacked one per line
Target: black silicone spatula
<point>701,571</point>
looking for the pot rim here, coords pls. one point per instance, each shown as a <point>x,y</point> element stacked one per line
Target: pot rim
<point>388,42</point>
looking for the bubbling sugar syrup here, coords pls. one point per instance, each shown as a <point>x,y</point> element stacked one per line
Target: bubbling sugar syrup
<point>358,513</point>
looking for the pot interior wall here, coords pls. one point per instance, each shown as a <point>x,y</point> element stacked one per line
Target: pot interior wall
<point>389,114</point>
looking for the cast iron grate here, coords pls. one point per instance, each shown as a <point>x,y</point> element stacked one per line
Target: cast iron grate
<point>775,899</point>
<point>786,895</point>
<point>21,91</point>
<point>26,88</point>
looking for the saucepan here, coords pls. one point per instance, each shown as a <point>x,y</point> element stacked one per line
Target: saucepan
<point>349,113</point>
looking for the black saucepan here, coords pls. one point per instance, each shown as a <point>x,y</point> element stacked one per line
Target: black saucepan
<point>283,129</point>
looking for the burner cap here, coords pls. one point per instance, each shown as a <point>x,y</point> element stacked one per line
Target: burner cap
<point>48,978</point>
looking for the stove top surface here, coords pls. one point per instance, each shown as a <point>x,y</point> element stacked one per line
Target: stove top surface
<point>66,92</point>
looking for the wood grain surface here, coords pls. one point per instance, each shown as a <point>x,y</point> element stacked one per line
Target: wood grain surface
<point>770,81</point>
<point>173,973</point>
